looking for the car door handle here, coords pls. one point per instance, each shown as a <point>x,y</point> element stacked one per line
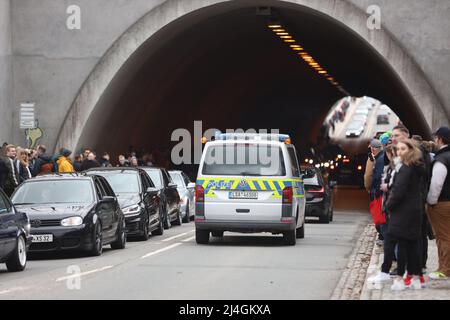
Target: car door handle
<point>242,210</point>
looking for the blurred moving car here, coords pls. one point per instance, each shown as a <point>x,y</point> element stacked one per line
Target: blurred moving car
<point>354,129</point>
<point>71,212</point>
<point>170,198</point>
<point>15,236</point>
<point>319,195</point>
<point>382,117</point>
<point>360,118</point>
<point>138,198</point>
<point>186,190</point>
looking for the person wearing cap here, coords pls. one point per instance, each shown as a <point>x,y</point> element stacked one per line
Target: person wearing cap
<point>438,200</point>
<point>64,163</point>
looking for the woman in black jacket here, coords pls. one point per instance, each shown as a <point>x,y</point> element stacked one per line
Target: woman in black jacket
<point>404,205</point>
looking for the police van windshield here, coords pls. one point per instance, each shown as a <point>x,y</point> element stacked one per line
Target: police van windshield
<point>244,160</point>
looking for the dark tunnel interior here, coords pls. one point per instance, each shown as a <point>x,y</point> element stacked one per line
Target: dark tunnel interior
<point>223,66</point>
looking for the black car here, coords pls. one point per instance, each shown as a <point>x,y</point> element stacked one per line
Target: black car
<point>71,212</point>
<point>15,236</point>
<point>138,199</point>
<point>168,193</point>
<point>319,196</point>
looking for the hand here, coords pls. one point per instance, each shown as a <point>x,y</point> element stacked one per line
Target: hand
<point>384,187</point>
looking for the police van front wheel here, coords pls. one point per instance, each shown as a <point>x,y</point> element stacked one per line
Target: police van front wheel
<point>202,236</point>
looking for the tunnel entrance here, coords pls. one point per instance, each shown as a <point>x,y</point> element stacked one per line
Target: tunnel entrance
<point>224,66</point>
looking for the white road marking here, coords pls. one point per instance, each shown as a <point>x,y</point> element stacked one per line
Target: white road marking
<point>177,236</point>
<point>161,250</point>
<point>12,290</point>
<point>188,239</point>
<point>83,273</point>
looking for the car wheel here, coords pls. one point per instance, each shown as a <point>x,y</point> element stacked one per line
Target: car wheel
<point>217,234</point>
<point>325,218</point>
<point>290,237</point>
<point>145,230</point>
<point>179,220</point>
<point>202,236</point>
<point>301,231</point>
<point>167,222</point>
<point>18,259</point>
<point>331,214</point>
<point>97,240</point>
<point>187,217</point>
<point>160,230</point>
<point>121,240</point>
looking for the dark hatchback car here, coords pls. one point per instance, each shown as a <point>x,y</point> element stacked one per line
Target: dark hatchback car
<point>71,212</point>
<point>138,199</point>
<point>169,195</point>
<point>15,236</point>
<point>319,195</point>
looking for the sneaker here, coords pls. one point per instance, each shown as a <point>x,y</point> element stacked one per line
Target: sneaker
<point>393,272</point>
<point>415,284</point>
<point>399,285</point>
<point>407,279</point>
<point>437,275</point>
<point>379,278</point>
<point>422,281</point>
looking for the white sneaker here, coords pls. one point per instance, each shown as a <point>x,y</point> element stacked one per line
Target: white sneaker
<point>415,284</point>
<point>379,278</point>
<point>399,285</point>
<point>437,275</point>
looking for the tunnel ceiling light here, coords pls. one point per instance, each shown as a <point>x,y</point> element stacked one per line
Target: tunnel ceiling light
<point>281,31</point>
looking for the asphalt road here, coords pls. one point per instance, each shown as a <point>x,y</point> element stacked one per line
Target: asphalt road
<point>173,266</point>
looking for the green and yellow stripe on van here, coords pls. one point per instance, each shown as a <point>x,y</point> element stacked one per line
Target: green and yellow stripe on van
<point>253,184</point>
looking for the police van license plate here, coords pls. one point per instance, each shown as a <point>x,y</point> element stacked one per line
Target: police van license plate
<point>243,195</point>
<point>40,238</point>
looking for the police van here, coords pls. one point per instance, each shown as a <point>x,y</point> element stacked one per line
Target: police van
<point>249,183</point>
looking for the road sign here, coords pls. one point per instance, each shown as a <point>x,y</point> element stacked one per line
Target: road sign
<point>27,117</point>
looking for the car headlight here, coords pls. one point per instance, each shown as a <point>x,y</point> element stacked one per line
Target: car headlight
<point>134,209</point>
<point>72,222</point>
<point>27,227</point>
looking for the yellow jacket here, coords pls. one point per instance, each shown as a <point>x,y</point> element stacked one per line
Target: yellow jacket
<point>64,165</point>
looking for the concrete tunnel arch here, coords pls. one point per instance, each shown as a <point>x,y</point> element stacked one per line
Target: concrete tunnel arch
<point>121,66</point>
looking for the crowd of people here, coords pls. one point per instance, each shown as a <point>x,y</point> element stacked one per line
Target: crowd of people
<point>410,180</point>
<point>19,164</point>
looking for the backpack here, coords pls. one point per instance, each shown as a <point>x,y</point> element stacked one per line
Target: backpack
<point>46,168</point>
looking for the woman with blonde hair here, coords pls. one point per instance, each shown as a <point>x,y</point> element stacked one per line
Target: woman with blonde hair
<point>23,165</point>
<point>404,205</point>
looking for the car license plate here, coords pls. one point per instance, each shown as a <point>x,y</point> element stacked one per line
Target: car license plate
<point>243,195</point>
<point>40,238</point>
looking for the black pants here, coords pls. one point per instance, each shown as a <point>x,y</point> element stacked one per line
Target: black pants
<point>409,255</point>
<point>423,244</point>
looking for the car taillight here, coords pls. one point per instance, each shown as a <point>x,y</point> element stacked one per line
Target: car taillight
<point>199,194</point>
<point>288,194</point>
<point>317,193</point>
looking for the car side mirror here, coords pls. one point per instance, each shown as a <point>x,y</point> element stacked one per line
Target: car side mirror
<point>108,199</point>
<point>172,185</point>
<point>191,185</point>
<point>152,191</point>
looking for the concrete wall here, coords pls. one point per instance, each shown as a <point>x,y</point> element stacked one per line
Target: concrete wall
<point>5,72</point>
<point>422,29</point>
<point>51,63</point>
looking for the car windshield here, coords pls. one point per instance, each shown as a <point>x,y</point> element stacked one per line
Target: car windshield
<point>121,181</point>
<point>177,179</point>
<point>244,159</point>
<point>355,125</point>
<point>156,177</point>
<point>54,191</point>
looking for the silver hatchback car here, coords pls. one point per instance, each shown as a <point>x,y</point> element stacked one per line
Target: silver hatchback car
<point>186,190</point>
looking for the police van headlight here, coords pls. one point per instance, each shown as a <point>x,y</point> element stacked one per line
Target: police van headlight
<point>131,210</point>
<point>72,222</point>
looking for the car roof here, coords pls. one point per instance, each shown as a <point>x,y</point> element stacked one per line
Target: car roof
<point>152,168</point>
<point>62,176</point>
<point>114,169</point>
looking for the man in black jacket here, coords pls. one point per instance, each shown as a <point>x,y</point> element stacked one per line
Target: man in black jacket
<point>10,175</point>
<point>439,202</point>
<point>41,159</point>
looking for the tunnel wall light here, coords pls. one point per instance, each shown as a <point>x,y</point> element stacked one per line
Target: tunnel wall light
<point>285,36</point>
